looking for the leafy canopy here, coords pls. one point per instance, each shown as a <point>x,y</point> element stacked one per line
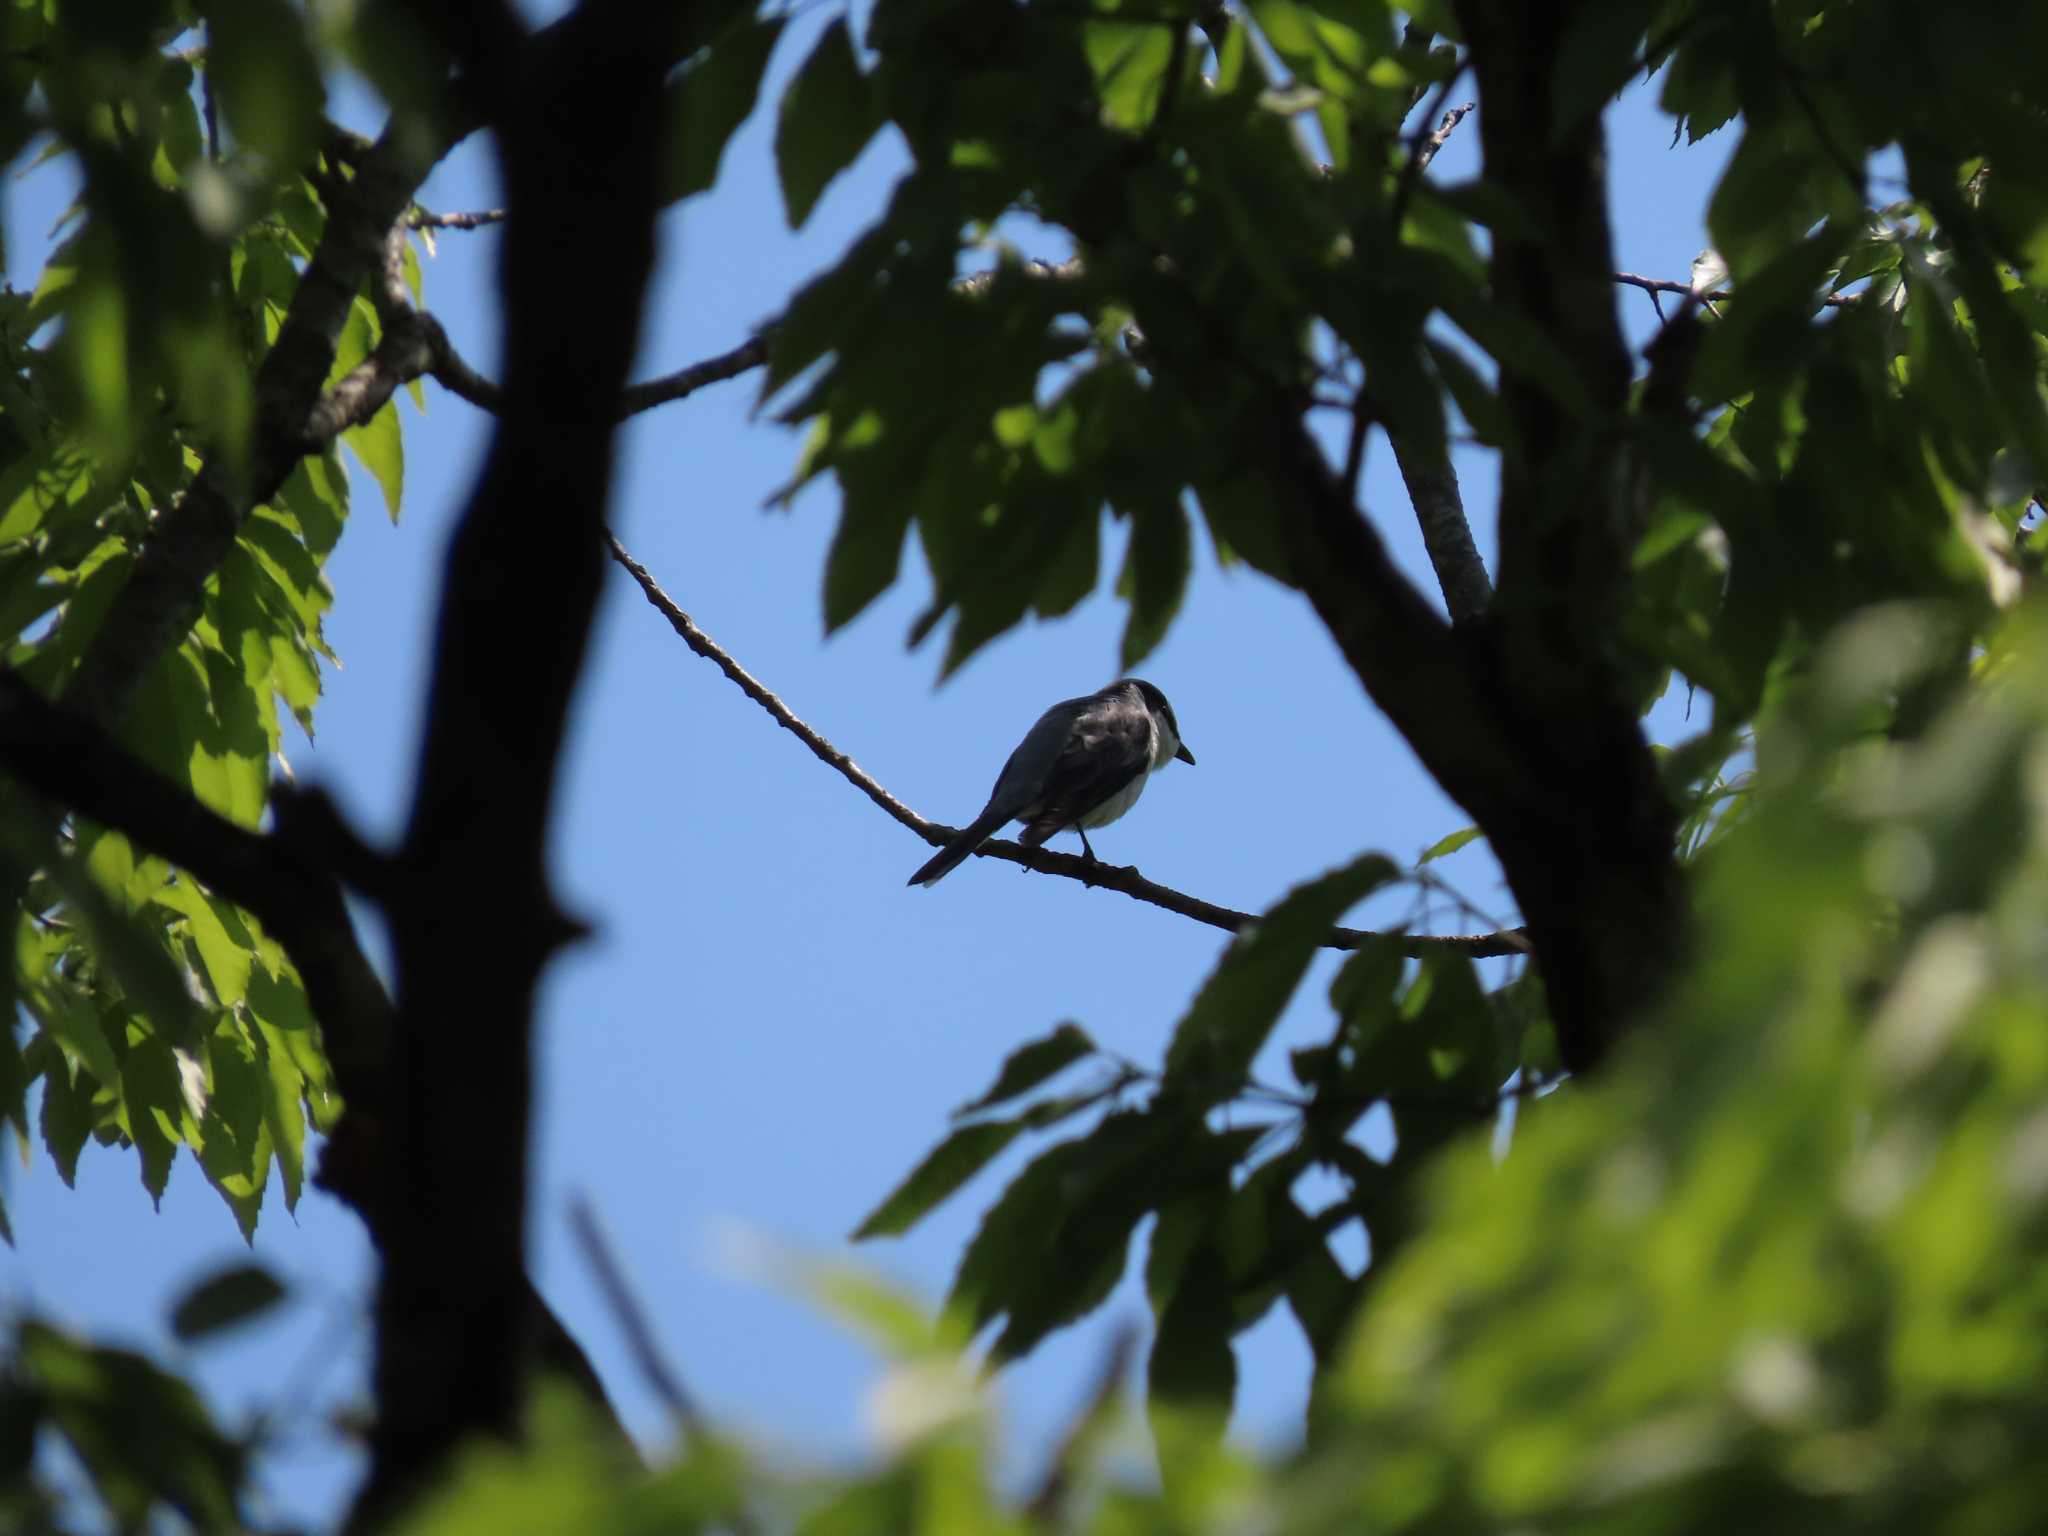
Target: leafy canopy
<point>1782,1257</point>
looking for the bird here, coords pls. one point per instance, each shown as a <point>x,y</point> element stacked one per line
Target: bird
<point>1082,765</point>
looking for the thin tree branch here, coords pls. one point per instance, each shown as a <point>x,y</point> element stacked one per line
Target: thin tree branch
<point>1423,147</point>
<point>1440,135</point>
<point>1657,285</point>
<point>1124,879</point>
<point>1446,535</point>
<point>748,355</point>
<point>1432,486</point>
<point>632,1318</point>
<point>421,218</point>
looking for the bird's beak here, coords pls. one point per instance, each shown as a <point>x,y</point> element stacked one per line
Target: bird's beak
<point>1186,756</point>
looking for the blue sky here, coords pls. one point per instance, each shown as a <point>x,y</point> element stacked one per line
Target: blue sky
<point>769,1028</point>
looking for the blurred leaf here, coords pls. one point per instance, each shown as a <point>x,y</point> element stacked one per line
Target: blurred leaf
<point>709,99</point>
<point>260,61</point>
<point>1191,1360</point>
<point>225,1300</point>
<point>1157,565</point>
<point>828,115</point>
<point>142,1436</point>
<point>1129,61</point>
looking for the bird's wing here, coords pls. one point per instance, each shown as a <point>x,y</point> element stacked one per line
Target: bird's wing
<point>1104,750</point>
<point>1021,784</point>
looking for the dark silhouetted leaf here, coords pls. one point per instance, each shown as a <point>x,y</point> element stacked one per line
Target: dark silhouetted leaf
<point>828,115</point>
<point>1031,1064</point>
<point>225,1300</point>
<point>709,100</point>
<point>1240,1003</point>
<point>950,1164</point>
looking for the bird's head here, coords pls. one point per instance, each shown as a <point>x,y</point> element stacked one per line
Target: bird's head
<point>1170,745</point>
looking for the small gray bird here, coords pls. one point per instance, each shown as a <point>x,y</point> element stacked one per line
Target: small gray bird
<point>1082,765</point>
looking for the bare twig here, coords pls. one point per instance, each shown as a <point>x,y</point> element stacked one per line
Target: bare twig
<point>632,1317</point>
<point>1657,285</point>
<point>1426,151</point>
<point>422,218</point>
<point>1423,147</point>
<point>1120,878</point>
<point>748,355</point>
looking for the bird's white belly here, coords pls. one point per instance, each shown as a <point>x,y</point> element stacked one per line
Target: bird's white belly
<point>1116,804</point>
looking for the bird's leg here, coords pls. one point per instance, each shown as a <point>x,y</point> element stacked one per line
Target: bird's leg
<point>1084,844</point>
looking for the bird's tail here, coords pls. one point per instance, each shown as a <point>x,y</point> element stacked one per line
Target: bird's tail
<point>955,853</point>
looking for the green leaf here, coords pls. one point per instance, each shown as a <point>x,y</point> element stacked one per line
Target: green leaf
<point>1450,844</point>
<point>828,115</point>
<point>225,945</point>
<point>235,1145</point>
<point>72,1025</point>
<point>284,1118</point>
<point>709,100</point>
<point>16,1071</point>
<point>895,1322</point>
<point>260,61</point>
<point>1129,60</point>
<point>1318,1291</point>
<point>132,948</point>
<point>1192,1363</point>
<point>379,446</point>
<point>160,1105</point>
<point>1594,59</point>
<point>1242,1000</point>
<point>1157,564</point>
<point>1052,1248</point>
<point>867,551</point>
<point>68,1115</point>
<point>1031,1064</point>
<point>945,1168</point>
<point>225,1300</point>
<point>142,1435</point>
<point>1476,400</point>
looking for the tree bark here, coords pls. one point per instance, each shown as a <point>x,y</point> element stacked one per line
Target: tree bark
<point>474,922</point>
